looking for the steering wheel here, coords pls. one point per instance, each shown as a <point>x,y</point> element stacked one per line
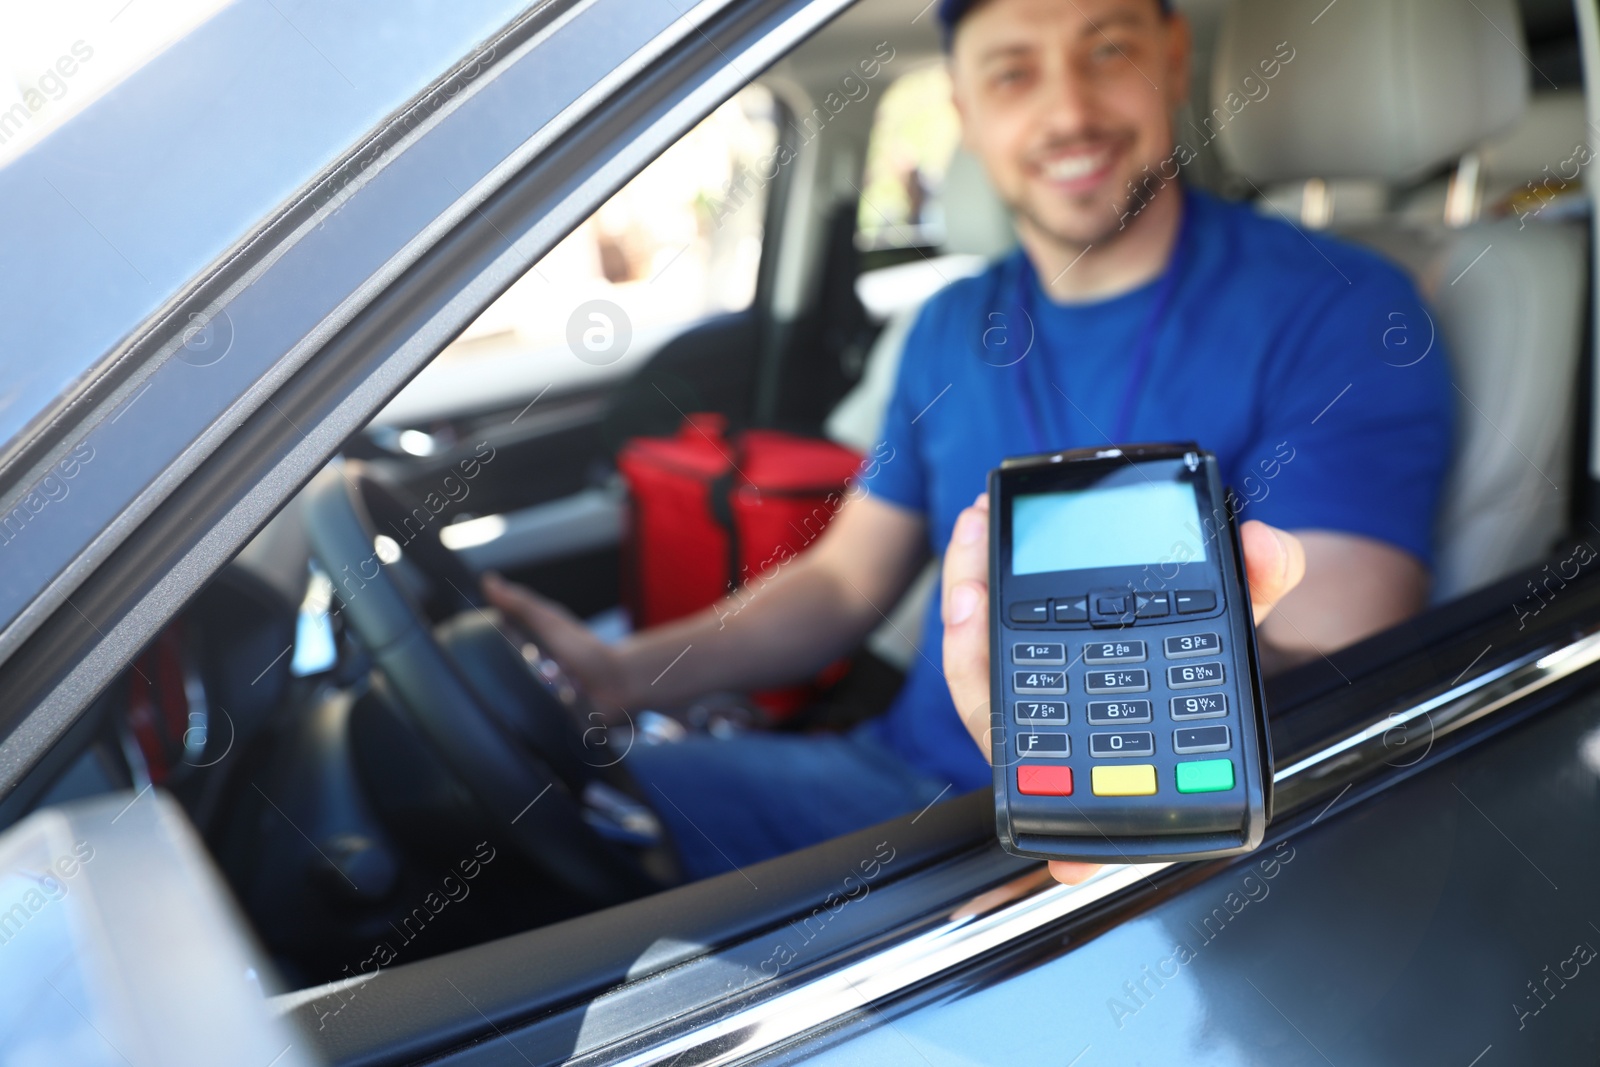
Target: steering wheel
<point>501,716</point>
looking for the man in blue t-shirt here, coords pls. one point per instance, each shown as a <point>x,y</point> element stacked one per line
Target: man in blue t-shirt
<point>1134,310</point>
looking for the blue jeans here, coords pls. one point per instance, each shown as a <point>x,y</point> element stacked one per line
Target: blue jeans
<point>733,802</point>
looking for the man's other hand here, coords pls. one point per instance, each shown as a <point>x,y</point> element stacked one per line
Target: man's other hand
<point>1274,563</point>
<point>561,635</point>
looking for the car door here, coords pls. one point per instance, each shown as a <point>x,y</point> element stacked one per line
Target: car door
<point>1431,811</point>
<point>366,219</point>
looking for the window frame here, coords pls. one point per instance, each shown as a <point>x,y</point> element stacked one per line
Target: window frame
<point>349,336</point>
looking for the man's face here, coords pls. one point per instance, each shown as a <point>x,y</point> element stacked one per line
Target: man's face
<point>1068,101</point>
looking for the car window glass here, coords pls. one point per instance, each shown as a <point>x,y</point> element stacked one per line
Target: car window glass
<point>914,135</point>
<point>679,243</point>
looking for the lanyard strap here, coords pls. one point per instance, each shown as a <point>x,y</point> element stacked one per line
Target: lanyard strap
<point>1143,346</point>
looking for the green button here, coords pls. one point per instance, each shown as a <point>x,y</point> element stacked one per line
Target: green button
<point>1205,776</point>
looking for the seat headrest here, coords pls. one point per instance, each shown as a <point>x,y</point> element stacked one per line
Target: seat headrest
<point>1380,89</point>
<point>1548,136</point>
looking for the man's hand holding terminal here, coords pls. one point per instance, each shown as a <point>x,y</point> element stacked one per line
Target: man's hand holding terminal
<point>1274,562</point>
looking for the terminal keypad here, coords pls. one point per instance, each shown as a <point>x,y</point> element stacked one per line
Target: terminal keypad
<point>1181,675</point>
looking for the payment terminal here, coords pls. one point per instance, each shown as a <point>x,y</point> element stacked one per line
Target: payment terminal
<point>1127,715</point>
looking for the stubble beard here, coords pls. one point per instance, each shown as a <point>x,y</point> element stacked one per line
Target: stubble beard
<point>1076,241</point>
<point>1103,227</point>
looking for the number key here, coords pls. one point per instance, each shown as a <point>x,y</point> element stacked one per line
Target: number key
<point>1038,655</point>
<point>1195,675</point>
<point>1039,681</point>
<point>1050,711</point>
<point>1124,681</point>
<point>1200,706</point>
<point>1123,743</point>
<point>1117,712</point>
<point>1186,646</point>
<point>1114,652</point>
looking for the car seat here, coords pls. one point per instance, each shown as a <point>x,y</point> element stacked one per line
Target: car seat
<point>1385,93</point>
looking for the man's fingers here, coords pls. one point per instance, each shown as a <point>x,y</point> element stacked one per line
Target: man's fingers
<point>1069,873</point>
<point>965,610</point>
<point>967,558</point>
<point>966,657</point>
<point>497,587</point>
<point>502,594</point>
<point>1274,563</point>
<point>521,603</point>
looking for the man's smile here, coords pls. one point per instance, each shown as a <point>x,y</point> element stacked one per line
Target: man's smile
<point>1080,170</point>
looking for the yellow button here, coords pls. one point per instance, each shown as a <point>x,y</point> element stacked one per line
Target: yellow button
<point>1136,780</point>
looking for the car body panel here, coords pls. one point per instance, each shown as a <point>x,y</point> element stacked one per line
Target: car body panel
<point>200,144</point>
<point>369,224</point>
<point>1404,930</point>
<point>673,981</point>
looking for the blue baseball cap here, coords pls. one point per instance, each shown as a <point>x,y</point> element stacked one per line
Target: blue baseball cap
<point>953,11</point>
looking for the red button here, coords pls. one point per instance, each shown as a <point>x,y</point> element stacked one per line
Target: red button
<point>1044,781</point>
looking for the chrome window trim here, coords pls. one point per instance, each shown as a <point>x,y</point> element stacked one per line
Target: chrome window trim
<point>831,997</point>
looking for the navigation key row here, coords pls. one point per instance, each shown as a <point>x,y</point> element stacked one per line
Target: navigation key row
<point>1114,609</point>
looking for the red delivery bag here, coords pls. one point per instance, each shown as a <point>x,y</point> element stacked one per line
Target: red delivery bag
<point>711,512</point>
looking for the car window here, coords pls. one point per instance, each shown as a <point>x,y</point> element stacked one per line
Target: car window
<point>681,242</point>
<point>915,132</point>
<point>909,244</point>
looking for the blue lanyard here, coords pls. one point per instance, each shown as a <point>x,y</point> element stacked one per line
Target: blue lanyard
<point>1143,346</point>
